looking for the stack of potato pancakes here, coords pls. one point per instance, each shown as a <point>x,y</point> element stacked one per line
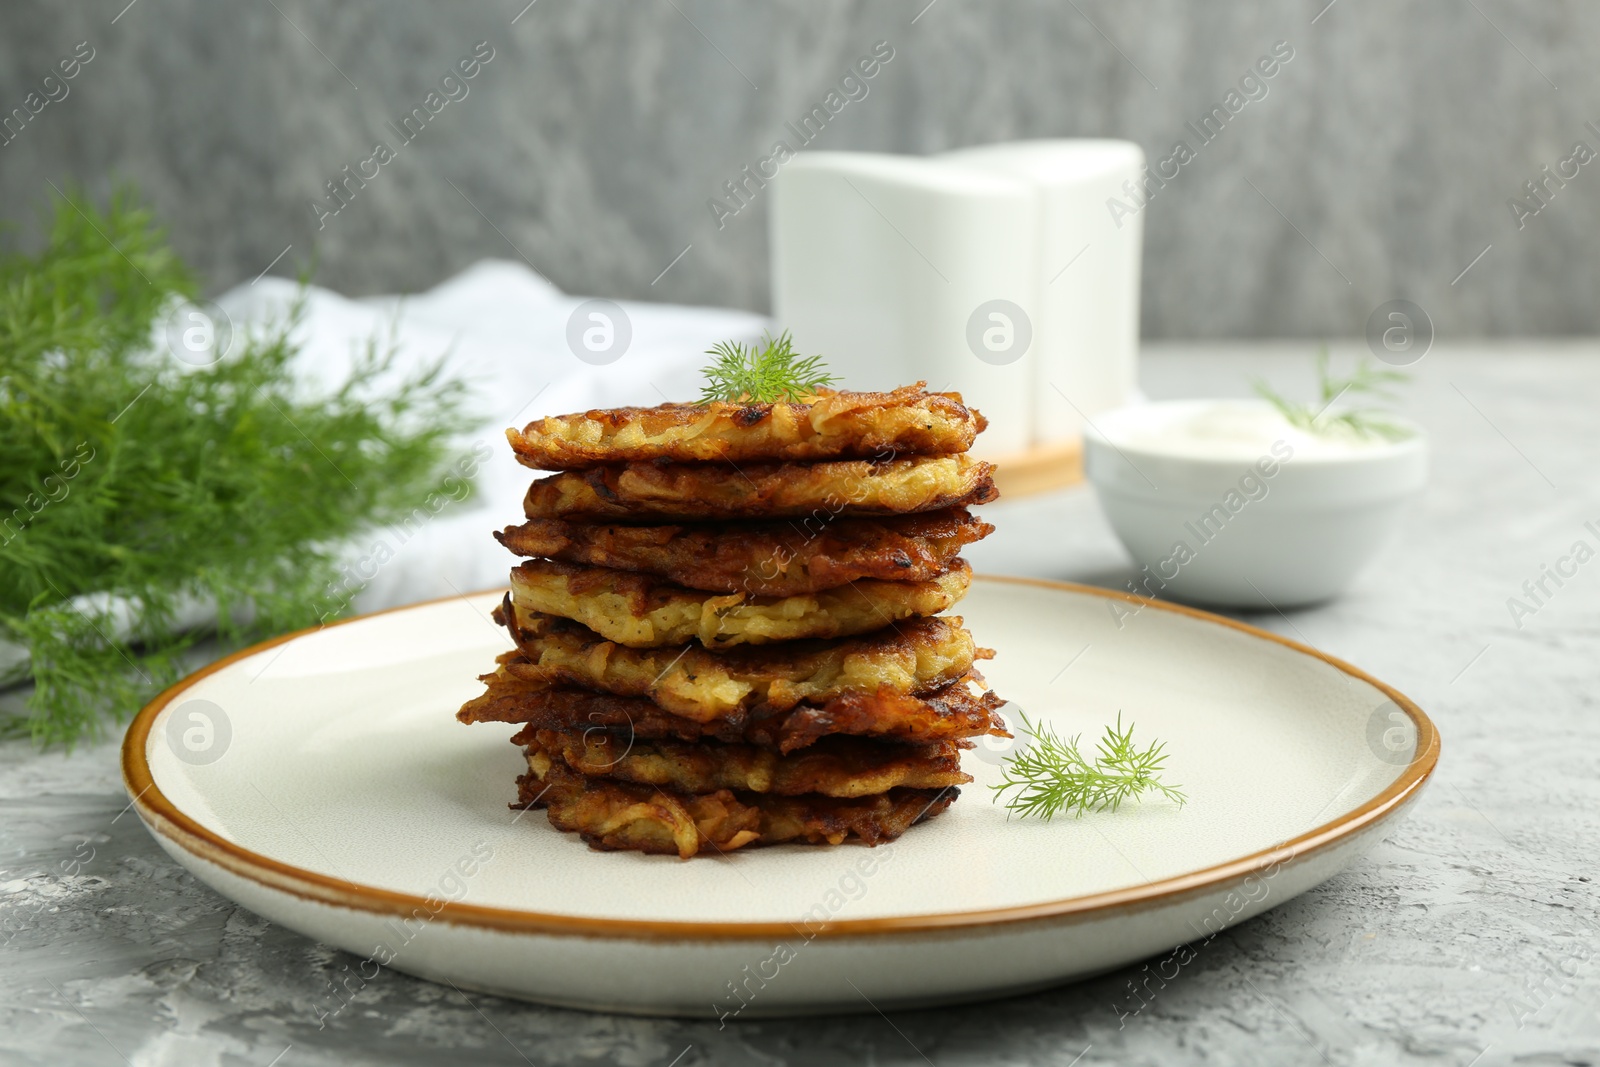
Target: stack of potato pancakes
<point>728,632</point>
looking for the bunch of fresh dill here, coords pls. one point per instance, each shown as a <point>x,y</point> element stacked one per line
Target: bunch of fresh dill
<point>763,373</point>
<point>132,484</point>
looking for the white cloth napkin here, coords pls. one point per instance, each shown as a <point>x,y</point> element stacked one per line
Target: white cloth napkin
<point>504,328</point>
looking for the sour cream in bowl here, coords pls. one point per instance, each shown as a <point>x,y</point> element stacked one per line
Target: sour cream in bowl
<point>1228,503</point>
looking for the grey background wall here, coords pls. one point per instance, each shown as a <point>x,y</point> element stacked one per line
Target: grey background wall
<point>1378,166</point>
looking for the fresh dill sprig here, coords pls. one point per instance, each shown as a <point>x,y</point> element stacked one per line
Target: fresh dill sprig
<point>1051,774</point>
<point>762,373</point>
<point>133,486</point>
<point>1366,381</point>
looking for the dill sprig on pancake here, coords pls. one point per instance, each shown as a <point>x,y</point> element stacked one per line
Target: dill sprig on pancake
<point>762,373</point>
<point>133,485</point>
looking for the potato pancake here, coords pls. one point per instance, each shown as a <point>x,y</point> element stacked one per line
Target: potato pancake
<point>687,492</point>
<point>779,558</point>
<point>833,767</point>
<point>918,656</point>
<point>832,425</point>
<point>614,815</point>
<point>641,612</point>
<point>959,710</point>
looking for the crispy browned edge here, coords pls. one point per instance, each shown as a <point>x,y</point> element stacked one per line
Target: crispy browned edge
<point>759,662</point>
<point>725,819</point>
<point>948,426</point>
<point>828,768</point>
<point>768,558</point>
<point>645,593</point>
<point>613,506</point>
<point>950,713</point>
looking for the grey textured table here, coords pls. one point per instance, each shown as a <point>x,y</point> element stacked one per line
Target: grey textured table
<point>1466,937</point>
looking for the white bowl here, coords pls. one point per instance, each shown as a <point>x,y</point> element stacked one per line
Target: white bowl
<point>1223,502</point>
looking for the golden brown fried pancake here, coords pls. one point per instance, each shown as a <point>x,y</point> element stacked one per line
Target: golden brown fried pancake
<point>779,558</point>
<point>641,612</point>
<point>917,656</point>
<point>833,767</point>
<point>833,425</point>
<point>957,711</point>
<point>687,492</point>
<point>620,815</point>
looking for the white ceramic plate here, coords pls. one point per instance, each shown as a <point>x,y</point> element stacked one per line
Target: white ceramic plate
<point>321,780</point>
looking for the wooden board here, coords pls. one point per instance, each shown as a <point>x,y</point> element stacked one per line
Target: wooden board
<point>1039,469</point>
